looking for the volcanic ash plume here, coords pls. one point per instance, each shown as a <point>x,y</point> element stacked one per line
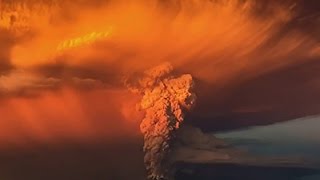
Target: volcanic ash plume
<point>166,98</point>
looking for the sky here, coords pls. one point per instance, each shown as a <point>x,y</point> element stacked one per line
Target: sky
<point>298,138</point>
<point>302,130</point>
<point>62,64</point>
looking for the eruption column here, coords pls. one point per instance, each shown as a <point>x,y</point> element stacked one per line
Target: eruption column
<point>166,98</point>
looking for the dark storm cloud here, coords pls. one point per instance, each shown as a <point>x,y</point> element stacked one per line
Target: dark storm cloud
<point>277,96</point>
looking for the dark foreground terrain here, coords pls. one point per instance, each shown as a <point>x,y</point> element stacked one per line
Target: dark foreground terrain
<point>241,172</point>
<point>125,162</point>
<point>95,161</point>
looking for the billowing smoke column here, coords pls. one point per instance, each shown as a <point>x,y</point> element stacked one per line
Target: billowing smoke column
<point>166,98</point>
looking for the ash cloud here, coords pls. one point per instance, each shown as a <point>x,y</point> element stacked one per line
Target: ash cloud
<point>17,81</point>
<point>165,99</point>
<point>228,46</point>
<point>254,62</point>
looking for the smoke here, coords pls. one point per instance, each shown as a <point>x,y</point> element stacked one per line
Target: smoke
<point>248,57</point>
<point>18,81</point>
<point>165,99</point>
<point>232,47</point>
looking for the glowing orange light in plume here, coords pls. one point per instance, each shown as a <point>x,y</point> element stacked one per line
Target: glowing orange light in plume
<point>84,40</point>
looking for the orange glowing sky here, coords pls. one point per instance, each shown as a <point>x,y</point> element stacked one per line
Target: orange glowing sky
<point>63,63</point>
